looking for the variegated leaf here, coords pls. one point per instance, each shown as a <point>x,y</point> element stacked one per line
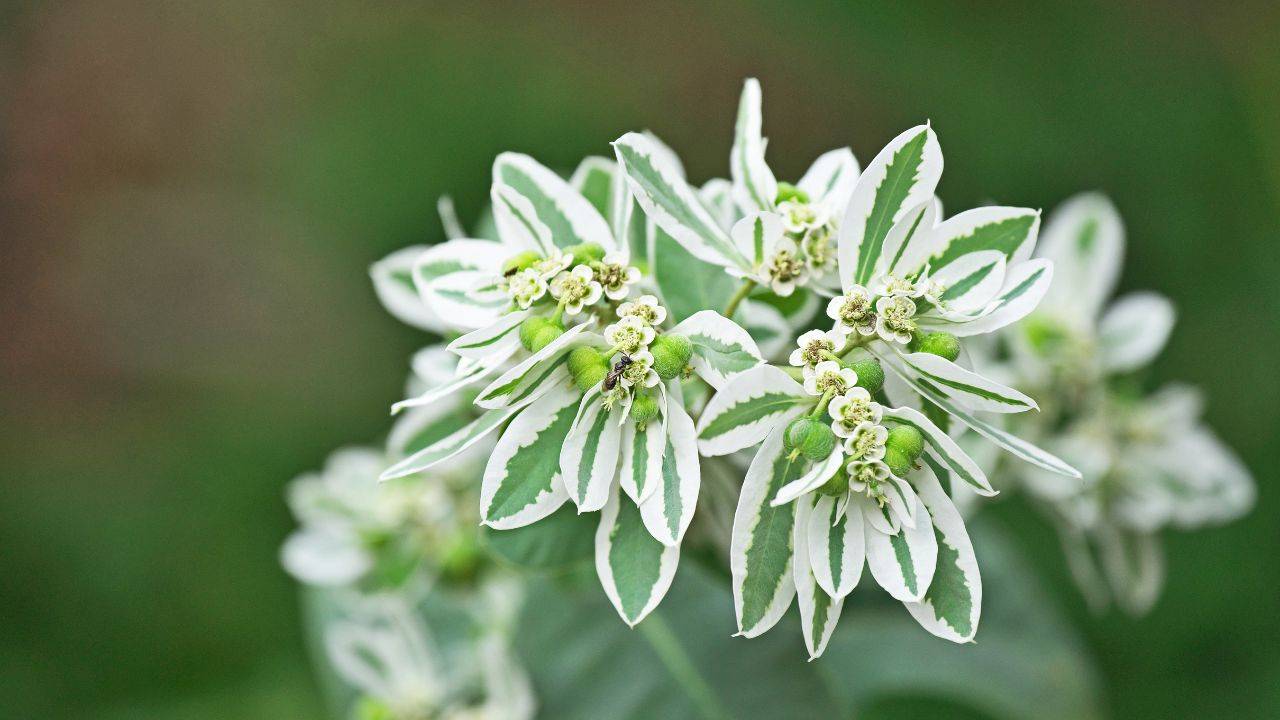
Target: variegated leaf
<point>518,223</point>
<point>721,348</point>
<point>965,387</point>
<point>1134,330</point>
<point>903,563</point>
<point>819,613</point>
<point>944,449</point>
<point>837,547</point>
<point>569,216</point>
<point>760,554</point>
<point>1008,230</point>
<point>902,176</point>
<point>451,445</point>
<point>1016,446</point>
<point>642,452</point>
<point>635,569</point>
<point>907,245</point>
<point>393,282</point>
<point>1024,286</point>
<point>447,277</point>
<point>538,371</point>
<point>951,607</point>
<point>669,510</point>
<point>1084,238</point>
<point>522,481</point>
<point>815,476</point>
<point>686,285</point>
<point>589,456</point>
<point>830,180</point>
<point>754,186</point>
<point>500,338</point>
<point>746,409</point>
<point>672,204</point>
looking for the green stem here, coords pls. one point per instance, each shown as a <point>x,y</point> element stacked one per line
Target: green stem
<point>822,404</point>
<point>744,290</point>
<point>667,645</point>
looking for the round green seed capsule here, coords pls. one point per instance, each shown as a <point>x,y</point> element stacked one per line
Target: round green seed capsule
<point>944,345</point>
<point>520,261</point>
<point>585,253</point>
<point>588,367</point>
<point>906,439</point>
<point>531,327</point>
<point>898,462</point>
<point>671,354</point>
<point>870,374</point>
<point>545,336</point>
<point>787,191</point>
<point>643,409</point>
<point>811,437</point>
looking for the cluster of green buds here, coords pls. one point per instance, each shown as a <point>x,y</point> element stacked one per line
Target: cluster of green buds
<point>639,357</point>
<point>577,280</point>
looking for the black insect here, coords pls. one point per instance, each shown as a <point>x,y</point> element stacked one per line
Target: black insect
<point>611,380</point>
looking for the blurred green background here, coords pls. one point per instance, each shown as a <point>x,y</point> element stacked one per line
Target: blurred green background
<point>192,193</point>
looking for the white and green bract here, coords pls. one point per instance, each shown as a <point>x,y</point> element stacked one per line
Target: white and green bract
<point>792,541</point>
<point>1150,462</point>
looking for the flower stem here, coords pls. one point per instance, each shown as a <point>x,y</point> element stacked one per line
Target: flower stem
<point>743,290</point>
<point>822,404</point>
<point>667,645</point>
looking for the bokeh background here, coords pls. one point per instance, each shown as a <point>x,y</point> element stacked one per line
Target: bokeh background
<point>192,192</point>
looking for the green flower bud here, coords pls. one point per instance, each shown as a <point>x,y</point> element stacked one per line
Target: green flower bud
<point>898,462</point>
<point>787,191</point>
<point>906,439</point>
<point>585,253</point>
<point>809,437</point>
<point>671,354</point>
<point>531,329</point>
<point>643,409</point>
<point>520,262</point>
<point>870,374</point>
<point>588,367</point>
<point>944,345</point>
<point>838,484</point>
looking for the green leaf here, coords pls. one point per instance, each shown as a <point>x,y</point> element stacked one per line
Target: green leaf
<point>964,386</point>
<point>953,604</point>
<point>451,445</point>
<point>561,539</point>
<point>686,285</point>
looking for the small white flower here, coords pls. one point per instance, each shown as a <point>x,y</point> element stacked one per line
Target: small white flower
<point>640,371</point>
<point>800,217</point>
<point>629,335</point>
<point>576,288</point>
<point>931,289</point>
<point>851,410</point>
<point>548,267</point>
<point>853,312</point>
<point>819,249</point>
<point>867,442</point>
<point>813,348</point>
<point>784,269</point>
<point>829,376</point>
<point>646,308</point>
<point>615,276</point>
<point>893,318</point>
<point>869,478</point>
<point>894,286</point>
<point>526,287</point>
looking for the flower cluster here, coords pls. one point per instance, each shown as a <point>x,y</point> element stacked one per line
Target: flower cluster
<point>579,384</point>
